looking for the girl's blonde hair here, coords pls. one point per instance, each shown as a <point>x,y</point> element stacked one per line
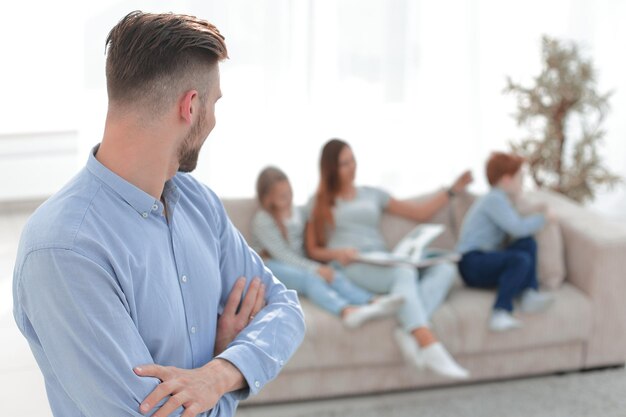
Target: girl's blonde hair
<point>268,177</point>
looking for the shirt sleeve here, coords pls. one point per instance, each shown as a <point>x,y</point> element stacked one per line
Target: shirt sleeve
<point>381,196</point>
<point>501,211</point>
<point>268,234</point>
<point>74,314</point>
<point>261,350</point>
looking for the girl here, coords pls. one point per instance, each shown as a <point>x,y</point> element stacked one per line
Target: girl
<point>278,229</point>
<point>346,220</point>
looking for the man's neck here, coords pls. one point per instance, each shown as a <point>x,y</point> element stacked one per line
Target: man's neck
<point>141,157</point>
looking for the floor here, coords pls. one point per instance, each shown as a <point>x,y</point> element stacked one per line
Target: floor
<point>600,393</point>
<point>592,394</point>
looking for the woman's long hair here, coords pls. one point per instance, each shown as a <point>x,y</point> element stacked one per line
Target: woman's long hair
<point>327,190</point>
<point>267,179</point>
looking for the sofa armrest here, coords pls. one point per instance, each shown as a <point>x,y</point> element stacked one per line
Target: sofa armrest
<point>595,259</point>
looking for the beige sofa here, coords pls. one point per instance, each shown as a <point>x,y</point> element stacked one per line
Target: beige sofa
<point>585,328</point>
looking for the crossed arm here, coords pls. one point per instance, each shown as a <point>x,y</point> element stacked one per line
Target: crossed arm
<point>198,390</point>
<point>76,317</point>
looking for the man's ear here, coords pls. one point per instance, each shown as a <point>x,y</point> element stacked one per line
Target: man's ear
<point>188,105</point>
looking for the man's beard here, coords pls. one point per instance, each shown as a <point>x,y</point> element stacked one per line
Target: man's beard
<point>190,148</point>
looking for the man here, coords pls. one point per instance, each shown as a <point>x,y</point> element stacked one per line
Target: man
<point>121,276</point>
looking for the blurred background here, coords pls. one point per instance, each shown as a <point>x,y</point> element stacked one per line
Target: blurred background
<point>415,86</point>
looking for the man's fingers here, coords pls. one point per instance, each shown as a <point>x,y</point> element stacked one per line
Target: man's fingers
<point>260,301</point>
<point>161,391</point>
<point>192,410</point>
<point>234,298</point>
<point>250,298</point>
<point>172,404</point>
<point>154,370</point>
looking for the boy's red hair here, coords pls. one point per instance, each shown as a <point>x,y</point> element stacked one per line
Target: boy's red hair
<point>501,164</point>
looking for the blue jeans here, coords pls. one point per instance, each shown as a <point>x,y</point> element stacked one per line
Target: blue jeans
<point>511,270</point>
<point>333,297</point>
<point>423,290</point>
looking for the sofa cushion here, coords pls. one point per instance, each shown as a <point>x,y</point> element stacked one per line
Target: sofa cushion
<point>241,211</point>
<point>550,256</point>
<point>460,323</point>
<point>550,246</point>
<point>329,344</point>
<point>568,319</point>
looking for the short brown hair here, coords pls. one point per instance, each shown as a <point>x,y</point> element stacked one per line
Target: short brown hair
<point>501,164</point>
<point>154,57</point>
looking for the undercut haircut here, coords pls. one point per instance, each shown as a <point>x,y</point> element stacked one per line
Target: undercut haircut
<point>153,58</point>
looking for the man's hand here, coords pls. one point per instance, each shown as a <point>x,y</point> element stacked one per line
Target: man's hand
<point>232,322</point>
<point>197,390</point>
<point>327,273</point>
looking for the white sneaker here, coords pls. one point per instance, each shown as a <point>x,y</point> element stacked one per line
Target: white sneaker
<point>377,310</point>
<point>409,348</point>
<point>533,301</point>
<point>391,303</point>
<point>436,358</point>
<point>502,320</point>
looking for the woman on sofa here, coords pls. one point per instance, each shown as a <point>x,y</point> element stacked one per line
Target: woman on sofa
<point>278,229</point>
<point>345,220</point>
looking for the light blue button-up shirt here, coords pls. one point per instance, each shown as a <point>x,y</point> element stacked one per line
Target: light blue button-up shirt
<point>493,218</point>
<point>103,282</point>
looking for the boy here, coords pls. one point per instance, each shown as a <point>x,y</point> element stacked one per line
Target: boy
<point>487,261</point>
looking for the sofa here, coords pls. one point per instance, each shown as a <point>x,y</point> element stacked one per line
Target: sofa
<point>582,262</point>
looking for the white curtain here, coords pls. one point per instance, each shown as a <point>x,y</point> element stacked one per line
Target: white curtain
<point>414,85</point>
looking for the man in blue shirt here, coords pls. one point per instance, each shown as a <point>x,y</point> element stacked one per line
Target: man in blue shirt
<point>127,282</point>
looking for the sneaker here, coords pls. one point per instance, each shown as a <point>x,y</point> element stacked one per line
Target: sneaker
<point>436,358</point>
<point>390,303</point>
<point>533,301</point>
<point>409,348</point>
<point>369,312</point>
<point>502,320</point>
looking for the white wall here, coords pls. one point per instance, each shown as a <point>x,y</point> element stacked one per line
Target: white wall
<point>40,84</point>
<point>414,86</point>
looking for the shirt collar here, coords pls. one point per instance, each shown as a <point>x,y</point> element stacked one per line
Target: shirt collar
<point>142,202</point>
<point>499,190</point>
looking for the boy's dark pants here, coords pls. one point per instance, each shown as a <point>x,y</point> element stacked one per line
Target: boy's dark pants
<point>511,270</point>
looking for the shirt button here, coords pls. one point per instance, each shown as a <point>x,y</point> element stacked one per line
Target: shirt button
<point>193,329</point>
<point>184,278</point>
<point>144,214</point>
<point>155,207</point>
<point>257,384</point>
